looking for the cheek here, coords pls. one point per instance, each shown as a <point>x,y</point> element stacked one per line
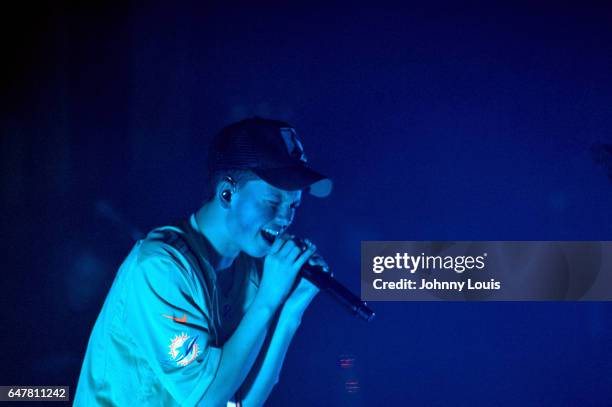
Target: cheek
<point>250,218</point>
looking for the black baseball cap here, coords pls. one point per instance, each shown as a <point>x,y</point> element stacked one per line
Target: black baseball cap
<point>272,150</point>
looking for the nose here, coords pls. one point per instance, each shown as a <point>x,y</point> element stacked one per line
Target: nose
<point>284,216</point>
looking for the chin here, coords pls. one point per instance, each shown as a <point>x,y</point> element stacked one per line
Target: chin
<point>257,252</point>
<point>257,247</point>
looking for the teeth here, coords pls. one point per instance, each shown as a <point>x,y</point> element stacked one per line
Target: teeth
<point>272,232</point>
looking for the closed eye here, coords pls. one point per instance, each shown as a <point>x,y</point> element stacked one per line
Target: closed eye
<point>276,204</point>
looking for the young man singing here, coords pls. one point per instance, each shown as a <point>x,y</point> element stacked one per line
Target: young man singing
<point>202,313</point>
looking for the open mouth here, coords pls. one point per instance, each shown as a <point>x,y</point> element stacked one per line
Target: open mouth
<point>270,235</point>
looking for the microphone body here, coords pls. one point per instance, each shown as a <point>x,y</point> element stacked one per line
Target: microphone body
<point>325,281</point>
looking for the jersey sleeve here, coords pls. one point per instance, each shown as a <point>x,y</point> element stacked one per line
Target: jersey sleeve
<point>168,323</point>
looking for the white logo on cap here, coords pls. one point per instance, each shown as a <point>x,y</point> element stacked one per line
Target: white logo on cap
<point>293,144</point>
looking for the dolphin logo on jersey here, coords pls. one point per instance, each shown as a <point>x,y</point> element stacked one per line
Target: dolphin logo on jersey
<point>183,349</point>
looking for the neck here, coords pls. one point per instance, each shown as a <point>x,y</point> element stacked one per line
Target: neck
<point>211,223</point>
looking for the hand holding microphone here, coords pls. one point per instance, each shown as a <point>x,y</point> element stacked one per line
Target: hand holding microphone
<point>281,267</point>
<point>305,290</point>
<point>317,276</point>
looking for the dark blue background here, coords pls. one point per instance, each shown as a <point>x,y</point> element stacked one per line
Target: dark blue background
<point>436,122</point>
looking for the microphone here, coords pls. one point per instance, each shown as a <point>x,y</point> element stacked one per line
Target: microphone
<point>321,277</point>
<point>325,281</point>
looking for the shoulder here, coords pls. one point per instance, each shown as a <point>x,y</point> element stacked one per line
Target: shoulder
<point>164,254</point>
<point>164,242</point>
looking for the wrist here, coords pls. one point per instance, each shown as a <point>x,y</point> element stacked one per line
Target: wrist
<point>299,301</point>
<point>289,324</point>
<point>264,304</point>
<point>291,316</point>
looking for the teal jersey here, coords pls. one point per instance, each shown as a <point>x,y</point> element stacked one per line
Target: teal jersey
<point>159,336</point>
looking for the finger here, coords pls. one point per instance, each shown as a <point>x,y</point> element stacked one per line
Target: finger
<point>287,247</point>
<point>294,253</point>
<point>299,262</point>
<point>317,260</point>
<point>308,243</point>
<point>278,243</point>
<point>290,252</point>
<point>304,244</point>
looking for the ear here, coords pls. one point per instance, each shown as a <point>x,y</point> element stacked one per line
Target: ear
<point>225,191</point>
